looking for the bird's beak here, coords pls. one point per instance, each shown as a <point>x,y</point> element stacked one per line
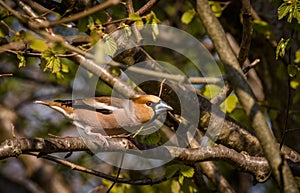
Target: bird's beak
<point>162,107</point>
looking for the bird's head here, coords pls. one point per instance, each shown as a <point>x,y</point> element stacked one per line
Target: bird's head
<point>148,107</point>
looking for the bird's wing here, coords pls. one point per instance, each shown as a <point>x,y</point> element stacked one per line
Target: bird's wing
<point>105,105</point>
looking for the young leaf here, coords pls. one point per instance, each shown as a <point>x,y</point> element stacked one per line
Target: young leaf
<point>289,9</point>
<point>56,65</point>
<point>297,59</point>
<point>283,10</point>
<point>292,70</point>
<point>22,59</point>
<point>171,170</point>
<point>211,90</point>
<point>281,47</point>
<point>153,138</point>
<point>261,27</point>
<point>294,84</point>
<point>230,103</point>
<point>188,16</point>
<point>187,171</point>
<point>175,186</point>
<point>216,8</point>
<point>135,17</point>
<point>110,46</point>
<point>38,44</point>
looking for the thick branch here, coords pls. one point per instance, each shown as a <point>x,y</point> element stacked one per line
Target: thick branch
<point>232,134</point>
<point>280,168</point>
<point>257,166</point>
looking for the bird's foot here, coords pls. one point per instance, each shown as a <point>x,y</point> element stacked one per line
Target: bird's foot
<point>101,137</point>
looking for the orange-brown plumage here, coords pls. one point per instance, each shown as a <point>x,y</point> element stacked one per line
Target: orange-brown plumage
<point>110,115</point>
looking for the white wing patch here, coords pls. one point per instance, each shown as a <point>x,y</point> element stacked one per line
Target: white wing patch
<point>99,105</point>
<point>62,111</point>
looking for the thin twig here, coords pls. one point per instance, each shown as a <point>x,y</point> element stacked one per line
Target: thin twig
<point>13,130</point>
<point>250,66</point>
<point>73,166</point>
<point>19,16</point>
<point>247,32</point>
<point>227,89</point>
<point>161,87</point>
<point>2,75</point>
<point>289,97</point>
<point>77,16</point>
<point>118,174</point>
<point>205,80</point>
<point>135,30</point>
<point>146,7</point>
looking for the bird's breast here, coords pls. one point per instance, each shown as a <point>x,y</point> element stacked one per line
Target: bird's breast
<point>116,123</point>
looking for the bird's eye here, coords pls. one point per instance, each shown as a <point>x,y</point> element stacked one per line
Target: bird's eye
<point>149,103</point>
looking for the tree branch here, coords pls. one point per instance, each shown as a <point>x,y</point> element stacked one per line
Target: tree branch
<point>258,166</point>
<point>77,16</point>
<point>279,167</point>
<point>145,181</point>
<point>232,134</point>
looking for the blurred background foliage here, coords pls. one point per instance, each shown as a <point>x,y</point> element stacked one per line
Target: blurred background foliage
<point>42,70</point>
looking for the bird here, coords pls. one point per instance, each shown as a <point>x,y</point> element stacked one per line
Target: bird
<point>106,116</point>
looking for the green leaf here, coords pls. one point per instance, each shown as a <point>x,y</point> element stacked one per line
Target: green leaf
<point>91,23</point>
<point>110,46</point>
<point>155,29</point>
<point>211,90</point>
<point>175,186</point>
<point>2,34</point>
<point>282,46</point>
<point>187,171</point>
<point>127,30</point>
<point>3,30</point>
<point>58,48</point>
<point>50,62</point>
<point>292,70</point>
<point>230,103</point>
<point>289,9</point>
<point>139,24</point>
<point>188,16</point>
<point>296,97</point>
<point>294,84</point>
<point>94,37</point>
<point>283,10</point>
<point>65,63</point>
<point>154,18</point>
<point>151,18</point>
<point>261,27</point>
<point>171,170</point>
<point>297,59</point>
<point>216,8</point>
<point>64,68</point>
<point>56,65</point>
<point>153,138</point>
<point>59,75</point>
<point>180,179</point>
<point>135,17</point>
<point>38,44</point>
<point>83,24</point>
<point>47,53</point>
<point>22,59</point>
<point>188,186</point>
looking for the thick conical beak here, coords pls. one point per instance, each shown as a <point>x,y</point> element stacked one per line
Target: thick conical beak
<point>162,107</point>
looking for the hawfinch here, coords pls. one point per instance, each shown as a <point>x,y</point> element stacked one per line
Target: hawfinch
<point>104,116</point>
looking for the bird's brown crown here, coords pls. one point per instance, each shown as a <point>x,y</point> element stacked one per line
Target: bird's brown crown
<point>146,98</point>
